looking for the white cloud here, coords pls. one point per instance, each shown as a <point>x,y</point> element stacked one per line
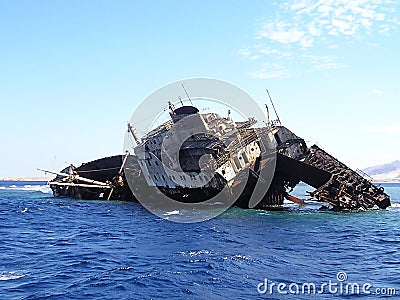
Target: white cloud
<point>305,19</point>
<point>246,52</point>
<point>267,51</point>
<point>274,66</point>
<point>281,32</point>
<point>327,66</point>
<point>313,29</point>
<point>322,62</point>
<point>270,70</point>
<point>377,92</point>
<point>299,26</point>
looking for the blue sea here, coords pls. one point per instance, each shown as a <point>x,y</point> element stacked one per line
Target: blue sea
<point>54,248</point>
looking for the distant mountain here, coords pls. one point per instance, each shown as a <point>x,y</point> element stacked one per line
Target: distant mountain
<point>385,173</point>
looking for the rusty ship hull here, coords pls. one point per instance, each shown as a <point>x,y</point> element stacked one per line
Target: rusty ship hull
<point>334,183</point>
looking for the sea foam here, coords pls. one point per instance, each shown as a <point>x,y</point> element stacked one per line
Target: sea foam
<point>45,189</point>
<point>4,276</point>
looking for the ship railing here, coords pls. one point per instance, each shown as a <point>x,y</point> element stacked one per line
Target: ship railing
<point>365,175</point>
<point>246,124</point>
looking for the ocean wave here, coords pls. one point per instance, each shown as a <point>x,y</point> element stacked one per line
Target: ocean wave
<point>195,253</point>
<point>394,207</point>
<point>13,275</point>
<point>45,189</point>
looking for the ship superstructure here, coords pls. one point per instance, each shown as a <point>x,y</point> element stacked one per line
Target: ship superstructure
<point>232,147</point>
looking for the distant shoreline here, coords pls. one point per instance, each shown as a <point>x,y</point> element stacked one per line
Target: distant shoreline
<point>25,178</point>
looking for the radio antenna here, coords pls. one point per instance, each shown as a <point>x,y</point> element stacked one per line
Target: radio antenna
<point>187,94</point>
<point>180,99</point>
<point>273,106</point>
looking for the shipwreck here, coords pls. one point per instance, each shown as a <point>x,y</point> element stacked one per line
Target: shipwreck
<point>234,149</point>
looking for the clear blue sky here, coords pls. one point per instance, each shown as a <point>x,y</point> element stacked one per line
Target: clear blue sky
<point>71,72</point>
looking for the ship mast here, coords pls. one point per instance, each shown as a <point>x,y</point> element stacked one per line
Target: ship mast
<point>180,99</point>
<point>131,130</point>
<point>273,106</point>
<point>187,95</point>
